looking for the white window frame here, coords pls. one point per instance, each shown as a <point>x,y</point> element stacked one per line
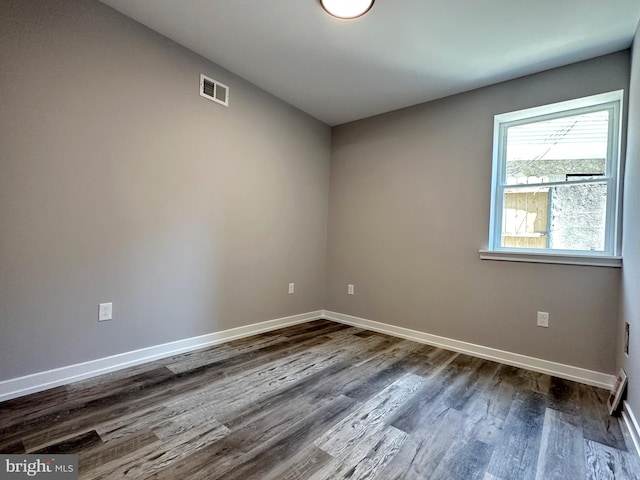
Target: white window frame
<point>612,101</point>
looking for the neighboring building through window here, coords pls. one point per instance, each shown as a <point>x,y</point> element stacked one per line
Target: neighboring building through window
<point>556,178</point>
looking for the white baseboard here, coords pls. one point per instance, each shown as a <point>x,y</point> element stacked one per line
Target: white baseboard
<point>632,425</point>
<point>17,387</point>
<point>568,372</point>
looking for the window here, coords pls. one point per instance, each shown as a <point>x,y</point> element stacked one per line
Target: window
<point>555,179</point>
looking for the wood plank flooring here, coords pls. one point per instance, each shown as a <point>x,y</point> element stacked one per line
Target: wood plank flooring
<point>322,400</point>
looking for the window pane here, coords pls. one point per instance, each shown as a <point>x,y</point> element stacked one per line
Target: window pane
<point>564,217</point>
<point>525,219</point>
<point>559,150</point>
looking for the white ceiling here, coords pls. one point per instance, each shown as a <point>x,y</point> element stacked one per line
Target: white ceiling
<point>401,53</point>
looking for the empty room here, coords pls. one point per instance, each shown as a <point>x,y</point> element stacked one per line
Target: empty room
<point>319,239</point>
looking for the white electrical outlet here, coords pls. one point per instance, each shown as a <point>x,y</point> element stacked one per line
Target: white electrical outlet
<point>292,287</point>
<point>350,289</point>
<point>105,312</point>
<point>543,319</point>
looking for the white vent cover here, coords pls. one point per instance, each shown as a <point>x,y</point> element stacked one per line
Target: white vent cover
<point>214,90</point>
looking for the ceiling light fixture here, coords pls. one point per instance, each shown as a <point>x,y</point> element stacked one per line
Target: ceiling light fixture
<point>347,8</point>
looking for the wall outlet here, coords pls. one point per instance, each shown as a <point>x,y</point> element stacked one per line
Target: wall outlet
<point>350,289</point>
<point>105,311</point>
<point>626,338</point>
<point>292,287</point>
<point>543,319</point>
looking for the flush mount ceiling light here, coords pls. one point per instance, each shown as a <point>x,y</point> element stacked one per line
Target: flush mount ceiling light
<point>347,8</point>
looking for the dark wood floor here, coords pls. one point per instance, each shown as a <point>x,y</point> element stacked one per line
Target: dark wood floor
<point>324,401</point>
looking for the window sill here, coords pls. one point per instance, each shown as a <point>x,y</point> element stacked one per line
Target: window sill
<point>564,259</point>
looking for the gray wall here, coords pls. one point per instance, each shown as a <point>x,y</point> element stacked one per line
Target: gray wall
<point>118,182</point>
<point>630,297</point>
<point>409,209</point>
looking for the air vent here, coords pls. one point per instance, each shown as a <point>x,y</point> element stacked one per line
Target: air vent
<point>214,90</point>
